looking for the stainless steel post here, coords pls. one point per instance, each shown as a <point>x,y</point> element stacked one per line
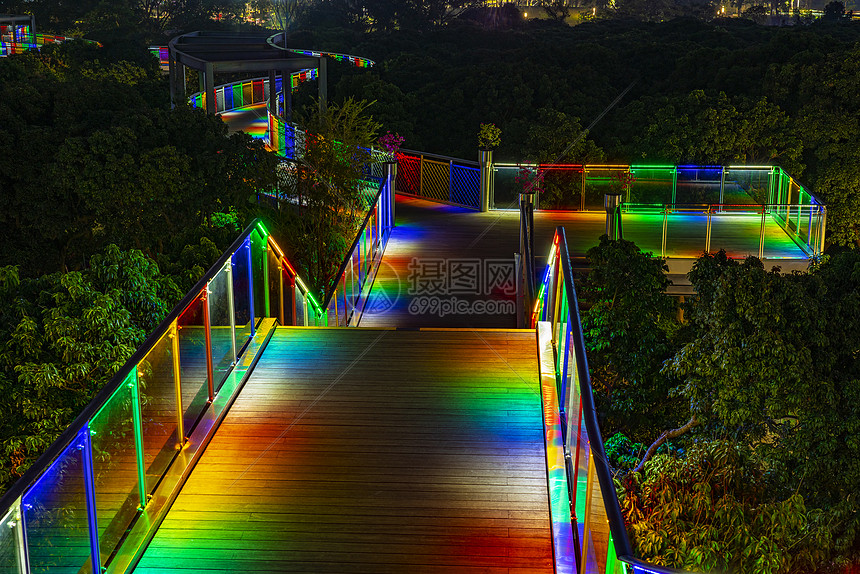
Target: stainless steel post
<point>611,203</point>
<point>485,156</point>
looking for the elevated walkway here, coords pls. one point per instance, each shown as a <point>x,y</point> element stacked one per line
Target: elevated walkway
<point>433,438</point>
<point>367,450</point>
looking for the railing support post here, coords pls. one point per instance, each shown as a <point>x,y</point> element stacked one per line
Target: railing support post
<point>761,233</point>
<point>485,157</point>
<point>674,185</point>
<point>722,182</point>
<point>708,233</point>
<point>612,205</point>
<point>526,259</point>
<point>209,86</point>
<point>450,180</point>
<point>822,223</point>
<point>665,229</point>
<point>390,175</point>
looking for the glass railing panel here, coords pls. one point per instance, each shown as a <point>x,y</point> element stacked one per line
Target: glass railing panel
<point>303,317</point>
<point>356,274</point>
<point>115,471</point>
<point>279,285</point>
<point>794,214</point>
<point>806,220</point>
<point>594,530</point>
<point>580,452</point>
<point>643,225</point>
<point>55,514</point>
<point>651,184</point>
<point>242,307</point>
<point>601,180</point>
<point>686,232</point>
<point>258,272</point>
<point>698,185</point>
<point>506,188</point>
<point>247,94</point>
<point>561,187</point>
<point>10,551</point>
<point>159,411</point>
<point>745,186</point>
<point>193,362</point>
<point>221,325</point>
<point>219,99</point>
<point>737,230</point>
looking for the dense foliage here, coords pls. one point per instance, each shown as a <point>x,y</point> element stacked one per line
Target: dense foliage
<point>751,397</point>
<point>62,336</point>
<point>114,206</point>
<point>725,92</point>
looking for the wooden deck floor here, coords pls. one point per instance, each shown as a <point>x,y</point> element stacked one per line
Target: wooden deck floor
<point>358,450</point>
<point>435,248</point>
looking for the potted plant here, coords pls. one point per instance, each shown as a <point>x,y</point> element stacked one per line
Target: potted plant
<point>489,137</point>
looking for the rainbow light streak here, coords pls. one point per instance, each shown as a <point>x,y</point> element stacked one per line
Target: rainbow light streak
<point>357,60</point>
<point>35,42</point>
<point>562,529</point>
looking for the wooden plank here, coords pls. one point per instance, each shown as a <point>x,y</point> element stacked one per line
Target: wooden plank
<point>372,451</point>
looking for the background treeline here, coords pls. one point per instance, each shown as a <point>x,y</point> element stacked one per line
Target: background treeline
<point>113,207</point>
<point>728,92</point>
<point>733,431</point>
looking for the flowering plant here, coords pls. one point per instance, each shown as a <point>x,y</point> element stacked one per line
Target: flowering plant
<point>391,142</point>
<point>528,180</point>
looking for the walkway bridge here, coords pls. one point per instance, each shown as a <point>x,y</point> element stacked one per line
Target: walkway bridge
<point>254,432</point>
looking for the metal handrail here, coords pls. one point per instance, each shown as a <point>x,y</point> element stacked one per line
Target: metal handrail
<point>589,413</point>
<point>359,234</point>
<point>458,160</point>
<point>618,530</point>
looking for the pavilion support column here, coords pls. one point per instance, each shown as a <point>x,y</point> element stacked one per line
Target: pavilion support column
<point>273,93</point>
<point>273,104</point>
<point>209,86</point>
<point>287,85</point>
<point>322,84</point>
<point>182,87</point>
<point>172,75</point>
